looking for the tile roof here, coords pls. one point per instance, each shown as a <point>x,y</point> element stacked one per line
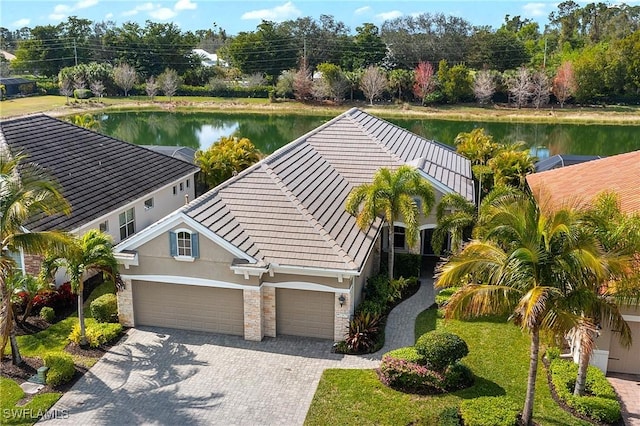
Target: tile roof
<point>97,173</point>
<point>580,183</point>
<point>563,160</point>
<point>288,209</point>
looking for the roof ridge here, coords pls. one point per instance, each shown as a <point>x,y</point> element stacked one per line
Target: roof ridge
<point>374,139</point>
<point>308,216</point>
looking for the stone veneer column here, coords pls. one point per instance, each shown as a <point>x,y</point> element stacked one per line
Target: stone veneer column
<point>253,314</point>
<point>32,263</point>
<point>125,305</point>
<point>269,311</point>
<point>342,315</point>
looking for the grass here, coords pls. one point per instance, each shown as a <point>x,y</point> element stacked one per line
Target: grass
<point>498,357</point>
<point>27,414</point>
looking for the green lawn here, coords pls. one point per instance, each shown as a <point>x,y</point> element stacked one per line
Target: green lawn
<point>12,414</point>
<point>498,357</point>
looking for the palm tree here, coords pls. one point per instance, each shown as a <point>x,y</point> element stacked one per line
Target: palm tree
<point>392,195</point>
<point>619,235</point>
<point>26,192</point>
<point>454,214</point>
<point>83,256</point>
<point>29,286</point>
<point>526,263</point>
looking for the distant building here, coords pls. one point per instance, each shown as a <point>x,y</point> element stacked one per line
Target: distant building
<point>210,59</point>
<point>17,86</point>
<point>563,160</point>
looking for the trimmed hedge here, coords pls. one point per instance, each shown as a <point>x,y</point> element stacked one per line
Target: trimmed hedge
<point>97,333</point>
<point>61,369</point>
<point>82,94</point>
<point>489,411</point>
<point>408,353</point>
<point>105,308</point>
<point>600,402</point>
<point>444,295</point>
<point>440,349</point>
<point>48,314</point>
<point>449,417</point>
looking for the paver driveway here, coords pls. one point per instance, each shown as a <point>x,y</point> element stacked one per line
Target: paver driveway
<point>163,376</point>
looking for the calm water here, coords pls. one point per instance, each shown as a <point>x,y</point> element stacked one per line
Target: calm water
<point>270,132</point>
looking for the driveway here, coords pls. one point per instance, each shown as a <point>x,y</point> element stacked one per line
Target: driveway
<point>628,388</point>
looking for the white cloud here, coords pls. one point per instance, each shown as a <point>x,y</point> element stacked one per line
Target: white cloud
<point>162,14</point>
<point>144,7</point>
<point>277,14</point>
<point>535,9</point>
<point>385,16</point>
<point>24,22</point>
<point>62,8</point>
<point>84,4</point>
<point>61,11</point>
<point>108,15</point>
<point>185,5</point>
<point>362,10</point>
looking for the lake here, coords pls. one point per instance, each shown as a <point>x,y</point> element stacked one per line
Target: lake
<point>270,132</point>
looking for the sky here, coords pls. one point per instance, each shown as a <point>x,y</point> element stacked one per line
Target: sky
<point>241,15</point>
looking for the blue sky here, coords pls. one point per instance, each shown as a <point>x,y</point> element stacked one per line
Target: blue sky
<point>239,15</point>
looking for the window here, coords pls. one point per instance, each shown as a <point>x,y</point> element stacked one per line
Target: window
<point>187,183</point>
<point>398,237</point>
<point>184,244</point>
<point>181,186</point>
<point>104,226</point>
<point>148,204</point>
<point>175,190</point>
<point>127,223</point>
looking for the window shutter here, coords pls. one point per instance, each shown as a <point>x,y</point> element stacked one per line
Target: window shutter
<point>195,245</point>
<point>173,244</point>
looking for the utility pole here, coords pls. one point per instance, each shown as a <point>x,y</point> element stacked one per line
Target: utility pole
<point>304,50</point>
<point>544,60</point>
<point>75,51</point>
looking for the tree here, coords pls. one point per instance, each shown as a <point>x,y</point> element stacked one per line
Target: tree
<point>28,287</point>
<point>151,87</point>
<point>526,263</point>
<point>225,158</point>
<point>97,88</point>
<point>454,215</point>
<point>392,195</point>
<point>540,88</point>
<point>511,165</point>
<point>401,81</point>
<point>25,195</point>
<point>284,87</point>
<point>479,147</point>
<point>332,84</point>
<point>169,82</point>
<point>87,121</point>
<point>424,81</point>
<point>353,81</point>
<point>303,84</point>
<point>484,86</point>
<point>373,83</point>
<point>66,88</point>
<point>455,82</point>
<point>564,83</point>
<point>81,257</point>
<point>369,47</point>
<point>125,77</point>
<point>520,87</point>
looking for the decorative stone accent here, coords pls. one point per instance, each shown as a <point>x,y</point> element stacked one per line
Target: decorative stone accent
<point>125,305</point>
<point>32,263</point>
<point>253,314</point>
<point>342,315</point>
<point>269,311</point>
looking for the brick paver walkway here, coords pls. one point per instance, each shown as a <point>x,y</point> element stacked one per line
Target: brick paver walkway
<point>628,388</point>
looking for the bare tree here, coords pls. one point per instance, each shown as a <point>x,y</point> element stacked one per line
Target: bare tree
<point>484,86</point>
<point>125,77</point>
<point>97,88</point>
<point>79,83</point>
<point>564,83</point>
<point>540,89</point>
<point>169,82</point>
<point>255,80</point>
<point>520,87</point>
<point>373,83</point>
<point>151,87</point>
<point>302,84</point>
<point>66,88</point>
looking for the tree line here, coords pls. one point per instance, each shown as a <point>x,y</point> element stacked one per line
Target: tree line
<point>601,42</point>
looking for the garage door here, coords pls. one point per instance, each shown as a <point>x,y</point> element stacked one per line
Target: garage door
<point>216,310</point>
<point>622,360</point>
<point>304,313</point>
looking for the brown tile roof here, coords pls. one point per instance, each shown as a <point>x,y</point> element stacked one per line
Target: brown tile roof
<point>580,183</point>
<point>289,208</point>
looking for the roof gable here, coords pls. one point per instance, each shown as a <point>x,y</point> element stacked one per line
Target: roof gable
<point>98,174</point>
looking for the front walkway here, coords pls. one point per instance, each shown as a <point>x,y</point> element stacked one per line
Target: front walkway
<point>628,388</point>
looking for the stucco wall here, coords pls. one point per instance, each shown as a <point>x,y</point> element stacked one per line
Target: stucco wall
<point>328,281</point>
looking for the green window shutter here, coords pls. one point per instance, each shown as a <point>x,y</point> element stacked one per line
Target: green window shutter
<point>173,243</point>
<point>195,245</point>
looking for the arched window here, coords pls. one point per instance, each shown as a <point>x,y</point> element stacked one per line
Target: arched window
<point>183,244</point>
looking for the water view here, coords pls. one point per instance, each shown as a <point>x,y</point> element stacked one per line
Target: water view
<point>270,132</point>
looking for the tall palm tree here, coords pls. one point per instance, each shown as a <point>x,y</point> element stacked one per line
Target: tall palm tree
<point>84,255</point>
<point>26,192</point>
<point>392,195</point>
<point>454,215</point>
<point>619,235</point>
<point>526,263</point>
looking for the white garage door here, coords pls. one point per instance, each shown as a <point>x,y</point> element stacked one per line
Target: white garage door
<point>623,360</point>
<point>188,307</point>
<point>304,313</point>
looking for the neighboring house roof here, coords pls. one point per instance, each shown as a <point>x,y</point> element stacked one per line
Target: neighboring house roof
<point>97,173</point>
<point>8,56</point>
<point>183,153</point>
<point>563,160</point>
<point>11,80</point>
<point>289,209</point>
<point>582,182</point>
<point>209,59</point>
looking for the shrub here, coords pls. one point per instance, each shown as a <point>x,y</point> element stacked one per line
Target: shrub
<point>552,353</point>
<point>409,376</point>
<point>48,87</point>
<point>407,265</point>
<point>97,333</point>
<point>599,403</point>
<point>408,353</point>
<point>489,411</point>
<point>48,314</point>
<point>58,299</point>
<point>377,289</point>
<point>362,334</point>
<point>449,417</point>
<point>444,295</point>
<point>373,307</point>
<point>397,287</point>
<point>61,368</point>
<point>458,376</point>
<point>441,349</point>
<point>105,308</point>
<point>82,94</point>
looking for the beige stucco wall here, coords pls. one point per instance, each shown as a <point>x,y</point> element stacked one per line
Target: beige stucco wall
<point>328,281</point>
